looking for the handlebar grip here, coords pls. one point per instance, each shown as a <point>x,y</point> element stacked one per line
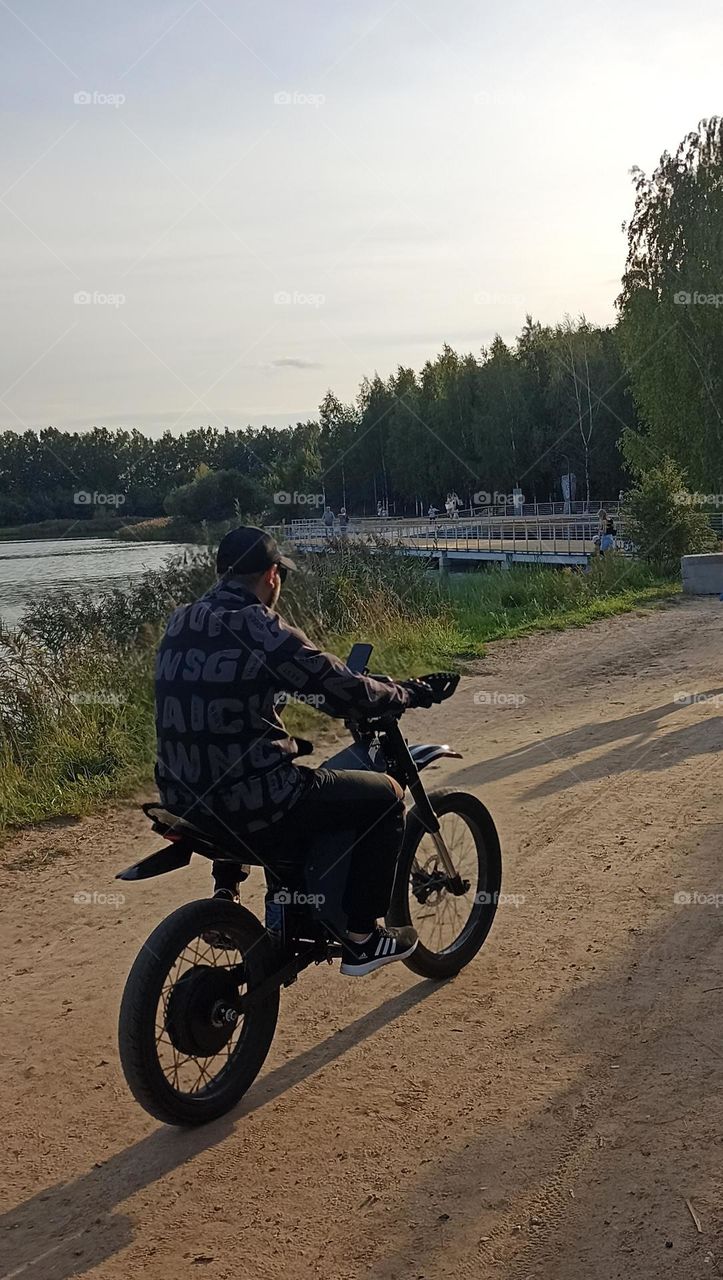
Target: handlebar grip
<point>442,684</point>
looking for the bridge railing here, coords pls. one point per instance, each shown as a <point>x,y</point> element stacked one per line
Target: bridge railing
<point>404,526</point>
<point>570,533</point>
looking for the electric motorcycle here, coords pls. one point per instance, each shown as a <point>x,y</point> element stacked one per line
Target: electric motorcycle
<point>201,1002</point>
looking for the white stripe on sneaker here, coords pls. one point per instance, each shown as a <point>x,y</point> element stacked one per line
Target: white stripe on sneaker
<point>356,969</point>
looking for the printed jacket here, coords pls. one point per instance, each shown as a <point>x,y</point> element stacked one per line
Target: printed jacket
<point>223,667</point>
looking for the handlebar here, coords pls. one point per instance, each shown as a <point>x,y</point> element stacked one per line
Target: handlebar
<point>442,683</point>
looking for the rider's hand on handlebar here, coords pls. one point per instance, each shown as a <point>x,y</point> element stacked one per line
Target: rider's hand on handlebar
<point>441,683</point>
<point>420,693</point>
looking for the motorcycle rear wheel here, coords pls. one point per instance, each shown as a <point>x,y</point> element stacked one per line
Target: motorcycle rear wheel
<point>451,927</point>
<point>187,1053</point>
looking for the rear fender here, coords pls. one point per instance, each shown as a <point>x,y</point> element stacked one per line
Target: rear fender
<point>171,858</point>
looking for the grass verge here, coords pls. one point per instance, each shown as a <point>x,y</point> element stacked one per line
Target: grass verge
<point>494,605</point>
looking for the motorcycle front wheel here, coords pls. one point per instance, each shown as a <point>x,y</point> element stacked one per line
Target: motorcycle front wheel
<point>188,1049</point>
<point>451,919</point>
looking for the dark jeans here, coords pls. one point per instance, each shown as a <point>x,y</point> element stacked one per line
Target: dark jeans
<point>349,800</point>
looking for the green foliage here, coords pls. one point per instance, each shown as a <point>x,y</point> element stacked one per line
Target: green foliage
<point>75,726</point>
<point>671,306</point>
<point>123,618</point>
<point>661,518</point>
<point>495,603</point>
<point>300,471</point>
<point>357,587</point>
<point>40,471</point>
<point>216,495</point>
<point>176,529</point>
<point>76,686</point>
<point>588,402</point>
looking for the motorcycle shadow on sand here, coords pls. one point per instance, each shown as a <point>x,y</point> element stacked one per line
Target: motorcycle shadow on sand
<point>70,1228</point>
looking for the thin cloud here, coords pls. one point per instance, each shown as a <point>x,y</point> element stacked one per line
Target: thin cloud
<point>293,362</point>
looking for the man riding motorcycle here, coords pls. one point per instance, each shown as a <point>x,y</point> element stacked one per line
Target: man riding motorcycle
<point>224,758</point>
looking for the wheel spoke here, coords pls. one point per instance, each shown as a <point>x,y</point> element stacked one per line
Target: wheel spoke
<point>186,1073</point>
<point>442,918</point>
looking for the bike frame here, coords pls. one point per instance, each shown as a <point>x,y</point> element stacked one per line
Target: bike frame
<point>402,767</point>
<point>298,953</point>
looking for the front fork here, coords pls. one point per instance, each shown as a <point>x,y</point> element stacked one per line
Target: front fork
<point>426,814</point>
<point>430,822</point>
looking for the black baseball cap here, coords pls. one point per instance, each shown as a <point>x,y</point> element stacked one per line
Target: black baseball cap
<point>249,550</point>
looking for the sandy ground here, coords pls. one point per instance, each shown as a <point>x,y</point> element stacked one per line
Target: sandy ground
<point>547,1114</point>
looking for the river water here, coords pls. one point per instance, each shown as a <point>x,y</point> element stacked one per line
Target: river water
<point>31,568</point>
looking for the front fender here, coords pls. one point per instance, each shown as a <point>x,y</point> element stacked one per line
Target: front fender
<point>425,753</point>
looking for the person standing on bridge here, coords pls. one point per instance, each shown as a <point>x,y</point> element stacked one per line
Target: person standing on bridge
<point>602,519</point>
<point>328,522</point>
<point>452,505</point>
<point>607,537</point>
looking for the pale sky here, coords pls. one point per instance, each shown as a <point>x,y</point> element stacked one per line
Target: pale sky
<point>432,172</point>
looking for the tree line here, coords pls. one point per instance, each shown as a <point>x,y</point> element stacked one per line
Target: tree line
<point>512,416</point>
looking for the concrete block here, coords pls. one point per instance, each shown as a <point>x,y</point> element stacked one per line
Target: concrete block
<point>703,575</point>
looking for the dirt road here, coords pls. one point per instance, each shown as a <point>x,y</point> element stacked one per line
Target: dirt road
<point>547,1115</point>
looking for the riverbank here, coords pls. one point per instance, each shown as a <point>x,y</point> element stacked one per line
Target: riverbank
<point>76,689</point>
<point>80,526</point>
<point>125,528</point>
<point>173,529</point>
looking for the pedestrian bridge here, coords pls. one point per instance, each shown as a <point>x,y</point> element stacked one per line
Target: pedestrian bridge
<point>554,540</point>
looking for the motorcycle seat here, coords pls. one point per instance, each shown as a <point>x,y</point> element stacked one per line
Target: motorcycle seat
<point>212,840</point>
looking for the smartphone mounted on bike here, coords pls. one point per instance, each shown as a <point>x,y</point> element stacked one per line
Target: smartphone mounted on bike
<point>358,659</point>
